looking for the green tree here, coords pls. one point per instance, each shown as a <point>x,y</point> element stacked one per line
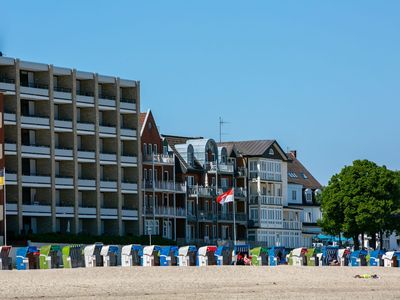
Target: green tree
<point>362,199</point>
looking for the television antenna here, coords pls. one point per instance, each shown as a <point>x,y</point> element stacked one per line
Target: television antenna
<point>221,124</point>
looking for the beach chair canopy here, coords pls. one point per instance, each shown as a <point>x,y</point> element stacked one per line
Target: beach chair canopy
<point>299,252</point>
<point>5,250</point>
<point>106,250</point>
<point>275,250</point>
<point>184,251</point>
<point>359,253</point>
<point>90,250</point>
<point>241,248</point>
<point>220,250</point>
<point>343,252</point>
<point>206,249</point>
<point>376,253</point>
<point>149,250</point>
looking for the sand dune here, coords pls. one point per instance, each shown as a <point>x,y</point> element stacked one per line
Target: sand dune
<point>284,282</point>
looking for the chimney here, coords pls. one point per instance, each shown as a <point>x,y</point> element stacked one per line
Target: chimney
<point>294,152</point>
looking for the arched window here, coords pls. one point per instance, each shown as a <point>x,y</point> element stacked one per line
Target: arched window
<point>190,155</point>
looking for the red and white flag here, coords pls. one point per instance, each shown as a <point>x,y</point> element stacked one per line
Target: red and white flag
<point>226,197</point>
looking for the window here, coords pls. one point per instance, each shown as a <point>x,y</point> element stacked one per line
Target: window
<point>304,175</point>
<point>144,149</point>
<point>271,151</point>
<point>155,148</point>
<point>292,175</point>
<point>254,214</point>
<point>150,149</point>
<point>150,125</point>
<point>165,150</point>
<point>224,182</point>
<point>294,195</point>
<point>190,181</point>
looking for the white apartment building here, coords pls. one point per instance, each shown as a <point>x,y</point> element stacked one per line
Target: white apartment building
<point>71,150</point>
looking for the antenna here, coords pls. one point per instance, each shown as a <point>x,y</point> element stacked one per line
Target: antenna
<point>221,123</point>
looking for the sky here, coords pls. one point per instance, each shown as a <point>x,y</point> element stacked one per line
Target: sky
<point>320,77</point>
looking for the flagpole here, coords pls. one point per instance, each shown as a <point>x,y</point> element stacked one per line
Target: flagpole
<point>234,220</point>
<point>4,207</point>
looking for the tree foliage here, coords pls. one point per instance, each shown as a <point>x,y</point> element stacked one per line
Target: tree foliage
<point>363,198</point>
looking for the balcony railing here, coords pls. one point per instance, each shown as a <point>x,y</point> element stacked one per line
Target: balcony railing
<point>84,93</point>
<point>240,192</point>
<point>159,158</point>
<point>265,200</point>
<point>62,89</point>
<point>6,79</point>
<point>165,211</point>
<point>266,176</point>
<point>242,171</point>
<point>221,167</point>
<point>201,191</point>
<point>292,225</point>
<point>126,100</point>
<point>229,217</point>
<point>165,185</point>
<point>35,85</point>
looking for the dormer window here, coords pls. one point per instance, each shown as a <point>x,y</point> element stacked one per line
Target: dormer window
<point>308,194</point>
<point>271,151</point>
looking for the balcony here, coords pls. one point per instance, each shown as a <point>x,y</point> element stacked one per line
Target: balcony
<point>127,106</point>
<point>165,186</point>
<point>206,215</point>
<point>84,99</point>
<point>10,119</point>
<point>35,122</point>
<point>242,172</point>
<point>293,225</point>
<point>11,178</point>
<point>64,211</point>
<point>62,94</point>
<point>36,210</point>
<point>62,125</point>
<point>265,176</point>
<point>108,159</point>
<point>128,161</point>
<point>265,200</point>
<point>129,215</point>
<point>107,131</point>
<point>240,193</point>
<point>108,186</point>
<point>109,213</point>
<point>10,149</point>
<point>63,154</point>
<point>166,211</point>
<point>128,187</point>
<point>128,134</point>
<point>36,181</point>
<point>86,156</point>
<point>38,90</point>
<point>11,209</point>
<point>7,83</point>
<point>85,128</point>
<point>34,151</point>
<point>87,212</point>
<point>201,191</point>
<point>212,167</point>
<point>64,182</point>
<point>164,159</point>
<point>239,217</point>
<point>106,102</point>
<point>86,184</point>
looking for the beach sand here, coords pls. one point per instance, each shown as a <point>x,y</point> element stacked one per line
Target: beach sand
<point>283,282</point>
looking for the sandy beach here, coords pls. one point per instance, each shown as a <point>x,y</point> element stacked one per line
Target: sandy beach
<point>284,282</point>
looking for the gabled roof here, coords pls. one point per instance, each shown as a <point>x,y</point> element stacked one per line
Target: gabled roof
<point>296,167</point>
<point>255,147</point>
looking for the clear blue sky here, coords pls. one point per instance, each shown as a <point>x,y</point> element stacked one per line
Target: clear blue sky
<point>322,77</point>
